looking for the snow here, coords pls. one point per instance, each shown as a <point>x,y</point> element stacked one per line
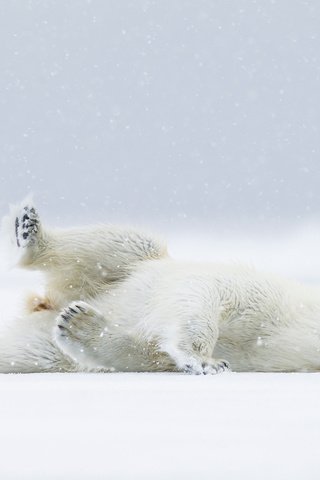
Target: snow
<point>159,426</point>
<point>196,115</point>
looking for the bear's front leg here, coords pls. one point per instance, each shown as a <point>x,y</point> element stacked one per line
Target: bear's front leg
<point>78,334</point>
<point>27,226</point>
<point>28,236</point>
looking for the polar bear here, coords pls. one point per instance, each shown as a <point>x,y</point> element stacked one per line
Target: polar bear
<point>115,301</point>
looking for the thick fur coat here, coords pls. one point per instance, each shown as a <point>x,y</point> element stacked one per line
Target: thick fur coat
<point>115,301</point>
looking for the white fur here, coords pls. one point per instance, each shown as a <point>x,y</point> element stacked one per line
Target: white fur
<point>117,302</point>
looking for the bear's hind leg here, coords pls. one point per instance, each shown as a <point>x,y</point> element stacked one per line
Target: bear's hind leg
<point>191,341</point>
<point>189,361</point>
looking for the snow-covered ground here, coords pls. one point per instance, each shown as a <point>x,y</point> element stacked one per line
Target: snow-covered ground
<point>160,426</point>
<point>164,426</point>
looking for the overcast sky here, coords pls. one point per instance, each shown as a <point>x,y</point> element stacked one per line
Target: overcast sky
<point>176,114</point>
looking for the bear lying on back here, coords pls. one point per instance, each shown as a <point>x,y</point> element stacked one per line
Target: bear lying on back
<point>115,301</point>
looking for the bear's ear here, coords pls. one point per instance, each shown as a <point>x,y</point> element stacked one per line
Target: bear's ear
<point>9,253</point>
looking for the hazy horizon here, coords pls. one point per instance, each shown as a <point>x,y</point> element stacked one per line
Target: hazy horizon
<point>178,115</point>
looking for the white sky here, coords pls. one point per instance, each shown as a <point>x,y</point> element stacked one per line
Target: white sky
<point>173,114</point>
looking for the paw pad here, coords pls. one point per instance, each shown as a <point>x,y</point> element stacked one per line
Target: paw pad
<point>216,366</point>
<point>26,227</point>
